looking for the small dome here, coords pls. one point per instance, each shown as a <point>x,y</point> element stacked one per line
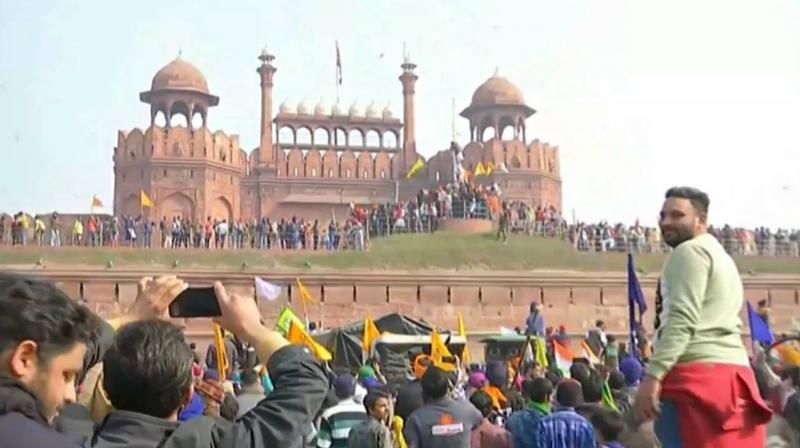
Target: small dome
<point>355,110</point>
<point>287,107</point>
<point>497,91</point>
<point>179,75</point>
<point>304,108</point>
<point>322,109</point>
<point>339,111</point>
<point>372,111</point>
<point>387,112</point>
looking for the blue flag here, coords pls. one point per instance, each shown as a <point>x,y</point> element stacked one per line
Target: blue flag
<point>635,295</point>
<point>759,330</point>
<point>635,300</point>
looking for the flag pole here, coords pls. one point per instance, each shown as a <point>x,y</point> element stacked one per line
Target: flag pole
<point>453,118</point>
<point>336,68</point>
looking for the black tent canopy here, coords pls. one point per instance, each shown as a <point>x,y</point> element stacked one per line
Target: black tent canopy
<point>344,342</point>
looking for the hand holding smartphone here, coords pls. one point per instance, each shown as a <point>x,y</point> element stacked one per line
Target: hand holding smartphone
<point>195,302</point>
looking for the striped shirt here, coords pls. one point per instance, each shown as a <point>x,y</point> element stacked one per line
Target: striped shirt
<point>336,423</point>
<point>564,429</point>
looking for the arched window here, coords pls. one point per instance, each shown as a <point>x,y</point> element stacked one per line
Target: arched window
<point>373,139</point>
<point>178,120</point>
<point>389,139</point>
<point>303,136</point>
<point>340,137</point>
<point>356,138</point>
<point>197,120</point>
<point>286,136</point>
<point>321,137</point>
<point>160,119</point>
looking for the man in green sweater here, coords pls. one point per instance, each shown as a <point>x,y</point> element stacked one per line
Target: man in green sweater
<point>700,368</point>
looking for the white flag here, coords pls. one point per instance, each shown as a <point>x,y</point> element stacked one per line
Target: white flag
<point>267,290</point>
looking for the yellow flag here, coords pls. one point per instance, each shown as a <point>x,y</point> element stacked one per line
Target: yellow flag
<point>397,426</point>
<point>297,335</point>
<point>222,357</point>
<point>438,349</point>
<point>371,333</point>
<point>418,165</point>
<point>305,296</point>
<point>489,168</point>
<point>462,331</point>
<point>541,352</point>
<point>480,170</point>
<point>144,200</point>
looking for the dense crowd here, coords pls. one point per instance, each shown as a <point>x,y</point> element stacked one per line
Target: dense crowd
<point>69,379</point>
<point>420,214</point>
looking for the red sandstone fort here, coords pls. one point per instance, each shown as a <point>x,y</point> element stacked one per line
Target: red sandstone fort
<point>314,160</point>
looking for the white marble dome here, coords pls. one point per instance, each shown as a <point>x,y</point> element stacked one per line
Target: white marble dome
<point>322,109</point>
<point>355,110</point>
<point>372,111</point>
<point>387,112</point>
<point>304,108</point>
<point>339,110</point>
<point>287,107</point>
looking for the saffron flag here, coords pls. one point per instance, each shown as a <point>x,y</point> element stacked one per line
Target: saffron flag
<point>480,170</point>
<point>285,317</point>
<point>489,167</point>
<point>438,349</point>
<point>589,354</point>
<point>96,202</point>
<point>297,335</point>
<point>222,358</point>
<point>338,62</point>
<point>759,330</point>
<point>266,290</point>
<point>305,296</point>
<point>541,352</point>
<point>635,300</point>
<point>466,357</point>
<point>418,165</point>
<point>371,333</point>
<point>563,356</point>
<point>145,200</point>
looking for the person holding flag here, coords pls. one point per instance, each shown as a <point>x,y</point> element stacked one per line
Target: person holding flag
<point>699,369</point>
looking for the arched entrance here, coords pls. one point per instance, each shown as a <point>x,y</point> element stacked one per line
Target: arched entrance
<point>221,209</point>
<point>177,204</point>
<point>130,206</point>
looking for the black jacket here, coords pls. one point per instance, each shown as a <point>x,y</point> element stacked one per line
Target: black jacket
<point>22,424</point>
<point>280,420</point>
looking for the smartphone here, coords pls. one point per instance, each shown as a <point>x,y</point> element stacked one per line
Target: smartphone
<point>195,302</point>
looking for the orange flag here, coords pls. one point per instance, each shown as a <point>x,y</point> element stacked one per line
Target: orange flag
<point>96,202</point>
<point>297,335</point>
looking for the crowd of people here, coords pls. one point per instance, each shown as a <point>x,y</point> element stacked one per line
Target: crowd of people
<point>420,214</point>
<point>68,378</point>
<point>417,215</point>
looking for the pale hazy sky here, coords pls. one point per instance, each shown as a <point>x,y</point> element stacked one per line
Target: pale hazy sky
<point>639,95</point>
